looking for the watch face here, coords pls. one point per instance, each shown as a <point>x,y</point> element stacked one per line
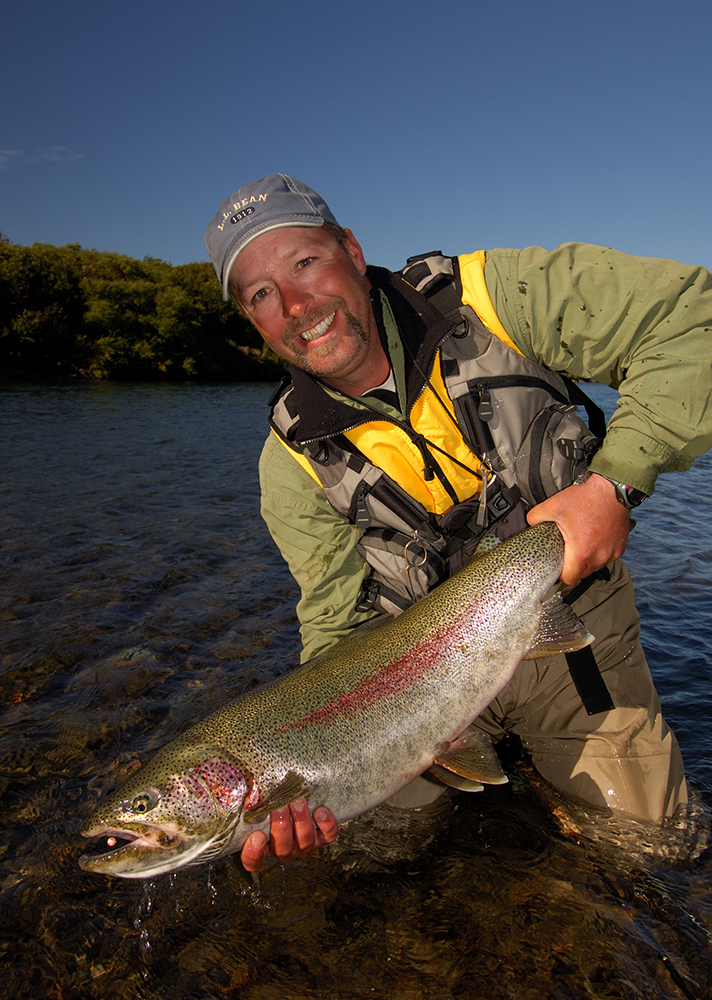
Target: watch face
<point>629,496</point>
<point>635,497</point>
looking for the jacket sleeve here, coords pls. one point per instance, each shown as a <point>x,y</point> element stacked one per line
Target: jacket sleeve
<point>640,324</point>
<point>319,546</point>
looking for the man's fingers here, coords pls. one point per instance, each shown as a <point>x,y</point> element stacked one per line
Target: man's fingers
<point>303,827</point>
<point>293,834</point>
<point>594,524</point>
<point>327,827</point>
<point>254,851</point>
<point>281,834</point>
<point>310,833</point>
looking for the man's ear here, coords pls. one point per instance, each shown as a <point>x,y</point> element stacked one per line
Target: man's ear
<point>353,249</point>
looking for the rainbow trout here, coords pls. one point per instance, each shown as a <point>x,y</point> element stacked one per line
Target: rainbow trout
<point>351,727</point>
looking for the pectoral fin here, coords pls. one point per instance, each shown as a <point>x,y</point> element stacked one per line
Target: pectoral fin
<point>472,758</point>
<point>560,631</point>
<point>291,788</point>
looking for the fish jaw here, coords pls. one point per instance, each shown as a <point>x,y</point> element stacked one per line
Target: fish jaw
<point>150,850</point>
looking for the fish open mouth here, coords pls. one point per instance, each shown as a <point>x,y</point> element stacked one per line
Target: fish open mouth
<point>145,853</point>
<point>111,844</point>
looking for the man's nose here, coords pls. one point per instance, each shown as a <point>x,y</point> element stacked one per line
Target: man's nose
<point>295,300</point>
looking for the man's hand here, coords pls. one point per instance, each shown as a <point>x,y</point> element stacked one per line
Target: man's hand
<point>594,524</point>
<point>293,834</point>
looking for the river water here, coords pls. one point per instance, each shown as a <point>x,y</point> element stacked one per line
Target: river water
<point>139,590</point>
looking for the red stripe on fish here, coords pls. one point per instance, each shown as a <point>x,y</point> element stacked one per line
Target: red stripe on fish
<point>390,680</point>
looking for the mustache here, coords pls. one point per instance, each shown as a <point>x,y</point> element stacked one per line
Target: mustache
<point>300,325</point>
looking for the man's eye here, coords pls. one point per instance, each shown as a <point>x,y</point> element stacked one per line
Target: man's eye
<point>258,296</point>
<point>306,262</point>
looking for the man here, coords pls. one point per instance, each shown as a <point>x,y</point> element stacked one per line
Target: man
<point>425,410</point>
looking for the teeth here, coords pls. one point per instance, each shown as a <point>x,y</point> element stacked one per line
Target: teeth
<point>316,331</point>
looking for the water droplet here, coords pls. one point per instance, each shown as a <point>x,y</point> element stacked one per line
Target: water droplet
<point>143,910</point>
<point>211,888</point>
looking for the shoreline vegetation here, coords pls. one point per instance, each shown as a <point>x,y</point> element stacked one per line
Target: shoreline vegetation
<point>67,312</point>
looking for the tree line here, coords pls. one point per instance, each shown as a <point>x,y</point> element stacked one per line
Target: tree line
<point>70,312</point>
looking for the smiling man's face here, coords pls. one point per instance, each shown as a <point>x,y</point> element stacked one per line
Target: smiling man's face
<point>309,298</point>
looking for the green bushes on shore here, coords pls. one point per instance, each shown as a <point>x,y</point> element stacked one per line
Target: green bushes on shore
<point>70,312</point>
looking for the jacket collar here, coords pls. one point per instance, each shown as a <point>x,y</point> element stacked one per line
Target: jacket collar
<point>422,329</point>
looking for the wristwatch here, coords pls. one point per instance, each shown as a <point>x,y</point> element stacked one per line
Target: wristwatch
<point>627,495</point>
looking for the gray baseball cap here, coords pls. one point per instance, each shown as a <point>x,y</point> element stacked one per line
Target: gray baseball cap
<point>255,208</point>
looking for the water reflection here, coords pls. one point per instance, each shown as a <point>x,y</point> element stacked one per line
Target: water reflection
<point>139,590</point>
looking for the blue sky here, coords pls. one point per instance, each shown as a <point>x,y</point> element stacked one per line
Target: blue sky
<point>442,125</point>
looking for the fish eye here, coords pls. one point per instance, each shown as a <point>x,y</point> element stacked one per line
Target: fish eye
<point>144,802</point>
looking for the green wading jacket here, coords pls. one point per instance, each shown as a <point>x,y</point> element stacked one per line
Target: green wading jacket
<point>642,325</point>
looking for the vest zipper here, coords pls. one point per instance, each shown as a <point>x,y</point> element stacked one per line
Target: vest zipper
<point>483,385</point>
<point>431,464</point>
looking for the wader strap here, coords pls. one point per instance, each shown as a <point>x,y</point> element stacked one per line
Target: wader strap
<point>582,663</point>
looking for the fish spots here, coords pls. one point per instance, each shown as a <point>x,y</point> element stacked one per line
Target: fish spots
<point>186,795</point>
<point>392,678</point>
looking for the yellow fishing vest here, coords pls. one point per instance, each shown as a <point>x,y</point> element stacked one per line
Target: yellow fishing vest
<point>393,451</point>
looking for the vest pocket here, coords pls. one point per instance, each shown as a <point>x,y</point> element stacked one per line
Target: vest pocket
<point>557,447</point>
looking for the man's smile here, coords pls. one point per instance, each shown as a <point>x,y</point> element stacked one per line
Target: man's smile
<point>319,329</point>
